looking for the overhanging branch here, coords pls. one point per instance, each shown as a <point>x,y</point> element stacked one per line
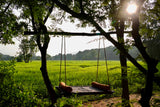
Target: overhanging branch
<point>72,33</point>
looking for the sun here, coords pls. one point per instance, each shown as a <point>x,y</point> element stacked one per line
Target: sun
<point>132,8</point>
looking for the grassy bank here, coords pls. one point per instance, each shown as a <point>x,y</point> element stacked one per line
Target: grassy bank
<point>79,73</point>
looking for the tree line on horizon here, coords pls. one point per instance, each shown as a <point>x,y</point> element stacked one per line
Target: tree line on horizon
<point>92,54</point>
<point>111,54</point>
<point>5,57</point>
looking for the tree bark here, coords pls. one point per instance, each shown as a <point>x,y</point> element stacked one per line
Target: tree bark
<point>146,93</point>
<point>47,81</point>
<point>38,28</point>
<point>123,62</point>
<point>125,89</point>
<point>43,49</point>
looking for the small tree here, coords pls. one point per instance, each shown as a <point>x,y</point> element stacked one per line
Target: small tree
<point>19,58</point>
<point>27,48</point>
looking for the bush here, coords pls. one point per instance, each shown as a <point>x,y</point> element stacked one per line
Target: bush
<point>13,94</point>
<point>68,102</point>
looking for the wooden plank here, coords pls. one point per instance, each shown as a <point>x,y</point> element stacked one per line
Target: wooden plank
<point>84,90</point>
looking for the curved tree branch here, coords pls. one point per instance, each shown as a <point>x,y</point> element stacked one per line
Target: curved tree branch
<point>49,13</point>
<point>68,10</point>
<point>32,17</point>
<point>137,38</point>
<point>93,22</point>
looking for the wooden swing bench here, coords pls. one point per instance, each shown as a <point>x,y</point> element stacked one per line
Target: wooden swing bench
<point>96,88</point>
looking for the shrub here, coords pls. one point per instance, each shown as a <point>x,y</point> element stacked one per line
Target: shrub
<point>13,94</point>
<point>68,102</point>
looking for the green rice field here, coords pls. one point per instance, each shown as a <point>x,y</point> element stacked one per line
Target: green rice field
<point>79,73</point>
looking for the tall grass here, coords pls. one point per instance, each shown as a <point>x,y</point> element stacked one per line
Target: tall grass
<point>79,73</point>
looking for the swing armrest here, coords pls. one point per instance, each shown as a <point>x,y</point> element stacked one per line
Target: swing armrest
<point>65,87</point>
<point>103,87</point>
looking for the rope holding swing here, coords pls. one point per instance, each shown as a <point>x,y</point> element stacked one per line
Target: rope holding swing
<point>63,44</point>
<point>61,60</point>
<point>65,60</point>
<point>105,54</point>
<point>105,59</point>
<point>98,59</point>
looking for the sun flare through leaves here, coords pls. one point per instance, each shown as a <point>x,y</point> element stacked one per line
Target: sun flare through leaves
<point>132,8</point>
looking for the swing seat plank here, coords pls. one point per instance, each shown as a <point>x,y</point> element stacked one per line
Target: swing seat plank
<point>84,90</point>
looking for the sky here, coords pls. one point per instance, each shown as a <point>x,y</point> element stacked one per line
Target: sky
<point>73,44</point>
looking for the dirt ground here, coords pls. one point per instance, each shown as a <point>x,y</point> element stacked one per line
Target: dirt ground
<point>116,102</point>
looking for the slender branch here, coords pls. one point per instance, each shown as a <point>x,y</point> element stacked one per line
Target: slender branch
<point>34,27</point>
<point>81,6</point>
<point>32,16</point>
<point>49,12</point>
<point>7,7</point>
<point>67,9</point>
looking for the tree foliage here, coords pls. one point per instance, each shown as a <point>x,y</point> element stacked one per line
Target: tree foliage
<point>13,94</point>
<point>150,27</point>
<point>27,47</point>
<point>10,26</point>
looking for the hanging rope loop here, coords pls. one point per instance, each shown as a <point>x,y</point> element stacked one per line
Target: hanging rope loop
<point>99,57</point>
<point>63,44</point>
<point>65,60</point>
<point>105,54</point>
<point>60,78</point>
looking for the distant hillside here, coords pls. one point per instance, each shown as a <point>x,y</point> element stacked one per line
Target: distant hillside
<point>111,51</point>
<point>5,57</point>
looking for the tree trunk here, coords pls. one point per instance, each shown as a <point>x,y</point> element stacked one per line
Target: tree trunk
<point>120,36</point>
<point>124,78</point>
<point>43,45</point>
<point>43,49</point>
<point>47,81</point>
<point>125,89</point>
<point>146,93</point>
